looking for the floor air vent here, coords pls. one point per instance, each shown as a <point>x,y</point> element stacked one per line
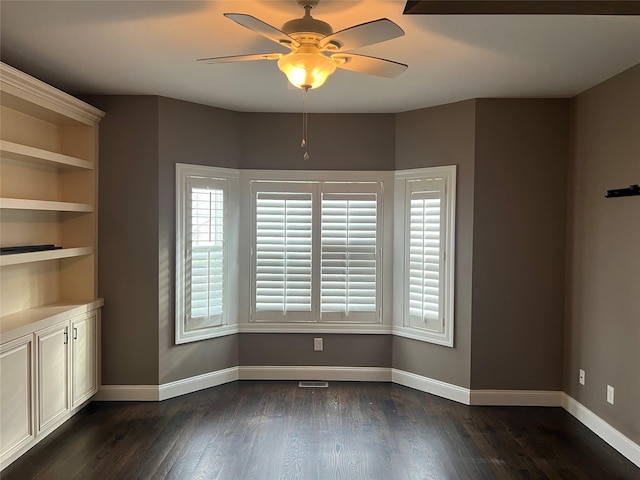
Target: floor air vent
<point>313,384</point>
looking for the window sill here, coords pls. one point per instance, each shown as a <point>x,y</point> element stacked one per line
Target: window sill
<point>444,339</point>
<point>213,332</point>
<point>368,329</point>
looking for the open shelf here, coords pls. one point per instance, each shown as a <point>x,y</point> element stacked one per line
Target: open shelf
<point>42,205</point>
<point>20,258</point>
<point>38,156</point>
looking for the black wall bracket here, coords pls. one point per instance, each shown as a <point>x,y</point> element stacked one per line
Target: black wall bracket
<point>624,192</point>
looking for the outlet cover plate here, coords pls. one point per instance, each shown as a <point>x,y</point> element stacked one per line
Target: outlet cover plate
<point>610,394</point>
<point>581,377</point>
<point>318,344</point>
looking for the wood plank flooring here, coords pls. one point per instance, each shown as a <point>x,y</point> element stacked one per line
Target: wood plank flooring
<point>276,430</point>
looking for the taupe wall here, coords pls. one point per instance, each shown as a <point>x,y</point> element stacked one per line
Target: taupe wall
<point>518,243</point>
<point>259,349</point>
<point>128,238</point>
<point>188,133</point>
<point>335,141</point>
<point>443,135</point>
<point>603,284</point>
<point>141,139</point>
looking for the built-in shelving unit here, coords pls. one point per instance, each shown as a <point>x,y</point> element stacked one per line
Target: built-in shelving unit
<point>49,310</point>
<point>48,174</point>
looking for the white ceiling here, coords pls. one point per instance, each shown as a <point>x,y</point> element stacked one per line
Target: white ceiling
<point>150,47</point>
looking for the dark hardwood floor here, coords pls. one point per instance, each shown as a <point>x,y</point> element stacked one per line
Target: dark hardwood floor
<point>275,430</point>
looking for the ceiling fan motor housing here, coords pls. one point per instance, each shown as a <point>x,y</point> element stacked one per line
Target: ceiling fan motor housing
<point>316,29</point>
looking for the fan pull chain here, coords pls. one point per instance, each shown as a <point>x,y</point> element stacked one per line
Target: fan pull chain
<point>305,118</point>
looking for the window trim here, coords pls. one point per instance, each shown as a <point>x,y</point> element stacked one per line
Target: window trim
<point>402,326</point>
<point>229,179</point>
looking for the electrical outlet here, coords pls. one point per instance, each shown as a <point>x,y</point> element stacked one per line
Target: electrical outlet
<point>318,344</point>
<point>610,392</point>
<point>581,377</point>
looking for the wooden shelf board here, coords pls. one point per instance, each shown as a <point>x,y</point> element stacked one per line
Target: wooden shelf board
<point>19,258</point>
<point>28,204</point>
<point>38,156</point>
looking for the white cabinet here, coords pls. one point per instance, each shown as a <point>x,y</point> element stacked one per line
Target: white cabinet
<point>46,376</point>
<point>67,373</point>
<point>52,347</point>
<point>16,396</point>
<point>84,347</point>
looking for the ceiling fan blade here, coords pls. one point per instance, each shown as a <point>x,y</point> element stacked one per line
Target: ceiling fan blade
<point>241,58</point>
<point>264,29</point>
<point>369,65</point>
<point>361,35</point>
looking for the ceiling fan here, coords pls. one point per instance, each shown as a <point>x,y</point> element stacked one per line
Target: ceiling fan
<point>316,51</point>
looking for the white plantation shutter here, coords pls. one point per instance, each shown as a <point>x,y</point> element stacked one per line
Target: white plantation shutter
<point>206,200</point>
<point>316,251</point>
<point>283,255</point>
<point>425,254</point>
<point>348,269</point>
<point>205,254</point>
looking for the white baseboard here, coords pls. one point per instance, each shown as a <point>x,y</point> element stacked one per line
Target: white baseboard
<point>429,385</point>
<point>609,434</point>
<point>207,380</point>
<point>520,398</point>
<point>199,382</point>
<point>345,374</point>
<point>154,393</point>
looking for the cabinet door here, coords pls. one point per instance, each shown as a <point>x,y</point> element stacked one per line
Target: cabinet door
<point>84,378</point>
<point>16,395</point>
<point>53,374</point>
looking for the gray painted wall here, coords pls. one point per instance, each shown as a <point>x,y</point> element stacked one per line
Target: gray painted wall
<point>335,141</point>
<point>188,133</point>
<point>260,349</point>
<point>128,238</point>
<point>436,136</point>
<point>518,244</point>
<point>603,284</point>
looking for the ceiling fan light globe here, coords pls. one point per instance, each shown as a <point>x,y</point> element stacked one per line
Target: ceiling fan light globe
<point>306,70</point>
